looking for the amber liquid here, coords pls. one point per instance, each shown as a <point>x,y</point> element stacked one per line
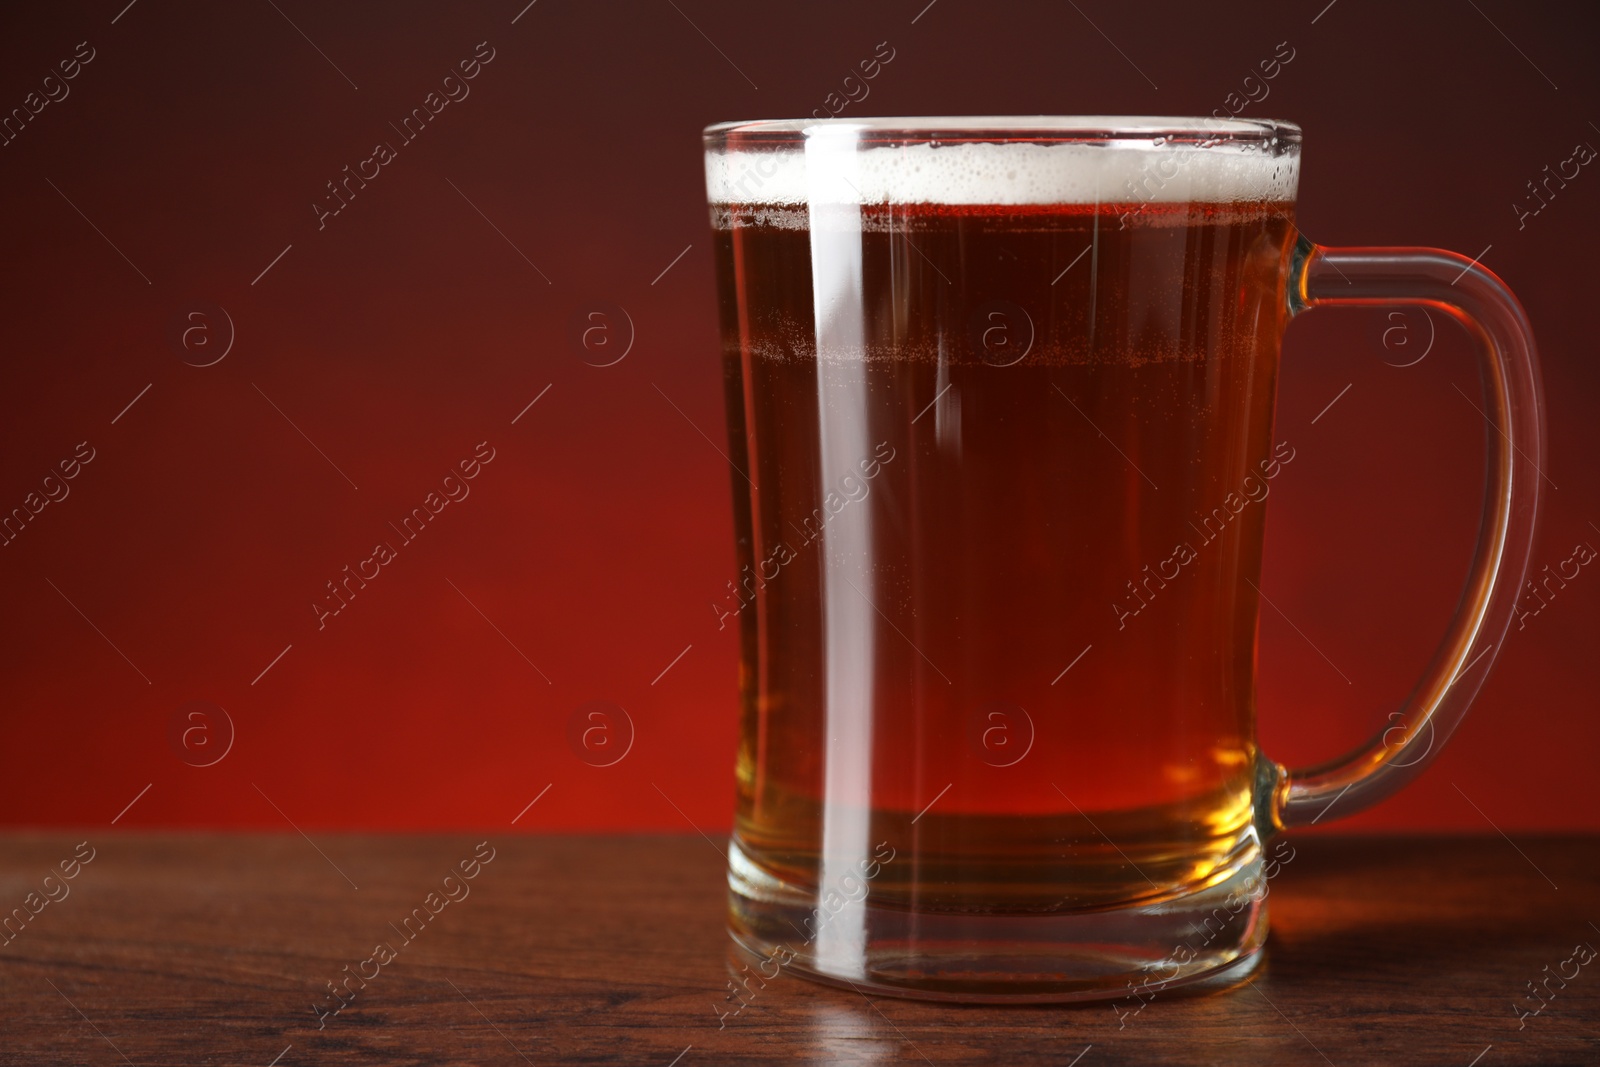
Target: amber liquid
<point>941,510</point>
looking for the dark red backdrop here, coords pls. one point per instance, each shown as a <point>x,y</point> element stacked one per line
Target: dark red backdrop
<point>378,350</point>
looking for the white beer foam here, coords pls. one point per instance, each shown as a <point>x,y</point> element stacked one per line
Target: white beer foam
<point>834,170</point>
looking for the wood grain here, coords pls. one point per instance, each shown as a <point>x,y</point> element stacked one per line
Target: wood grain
<point>192,949</point>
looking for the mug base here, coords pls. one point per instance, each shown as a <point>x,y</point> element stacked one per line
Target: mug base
<point>1211,935</point>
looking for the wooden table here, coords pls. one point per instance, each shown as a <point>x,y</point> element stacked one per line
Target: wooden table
<point>214,949</point>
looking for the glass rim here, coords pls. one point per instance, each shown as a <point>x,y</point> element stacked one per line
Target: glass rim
<point>1154,131</point>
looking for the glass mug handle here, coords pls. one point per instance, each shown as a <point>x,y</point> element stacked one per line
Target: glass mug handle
<point>1453,284</point>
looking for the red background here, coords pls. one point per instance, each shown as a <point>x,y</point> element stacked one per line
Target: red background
<point>408,330</point>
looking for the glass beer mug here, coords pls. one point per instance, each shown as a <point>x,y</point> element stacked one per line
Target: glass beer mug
<point>1000,408</point>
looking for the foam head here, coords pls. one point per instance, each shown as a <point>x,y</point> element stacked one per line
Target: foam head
<point>839,163</point>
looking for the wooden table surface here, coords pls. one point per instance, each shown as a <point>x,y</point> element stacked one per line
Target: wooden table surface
<point>217,949</point>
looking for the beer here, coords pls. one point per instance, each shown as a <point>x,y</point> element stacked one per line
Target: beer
<point>1001,454</point>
